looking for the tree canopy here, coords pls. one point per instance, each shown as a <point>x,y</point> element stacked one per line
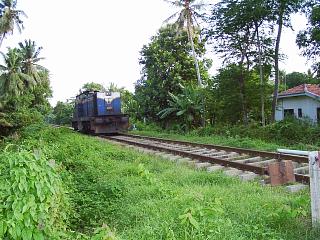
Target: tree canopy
<point>24,89</point>
<point>167,62</point>
<point>92,86</point>
<point>309,39</point>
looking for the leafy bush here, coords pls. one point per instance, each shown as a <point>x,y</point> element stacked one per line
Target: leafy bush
<point>287,132</point>
<point>31,195</point>
<point>146,127</point>
<point>17,119</point>
<point>291,131</point>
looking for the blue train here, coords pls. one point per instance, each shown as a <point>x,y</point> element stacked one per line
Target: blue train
<point>99,113</point>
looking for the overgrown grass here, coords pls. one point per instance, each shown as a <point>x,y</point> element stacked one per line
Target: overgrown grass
<point>291,133</point>
<point>243,142</point>
<point>145,197</point>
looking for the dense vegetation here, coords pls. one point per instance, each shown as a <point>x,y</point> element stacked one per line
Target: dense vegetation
<point>290,134</point>
<point>175,89</point>
<point>246,35</point>
<point>56,184</point>
<point>24,83</point>
<point>81,188</point>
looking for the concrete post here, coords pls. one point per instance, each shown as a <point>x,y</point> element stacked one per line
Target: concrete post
<point>314,171</point>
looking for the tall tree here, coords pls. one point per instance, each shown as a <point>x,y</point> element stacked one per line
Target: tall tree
<point>226,95</point>
<point>282,11</point>
<point>187,18</point>
<point>309,39</point>
<point>166,62</point>
<point>24,100</point>
<point>10,17</point>
<point>13,81</point>
<point>296,78</point>
<point>237,32</point>
<point>63,113</point>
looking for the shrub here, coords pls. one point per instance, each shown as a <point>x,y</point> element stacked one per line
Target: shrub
<point>146,127</point>
<point>15,120</point>
<point>31,196</point>
<point>287,132</point>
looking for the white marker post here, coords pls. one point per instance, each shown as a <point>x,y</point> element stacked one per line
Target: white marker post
<point>314,172</point>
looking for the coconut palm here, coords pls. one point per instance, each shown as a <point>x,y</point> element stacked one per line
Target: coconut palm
<point>30,58</point>
<point>10,18</point>
<point>187,17</point>
<point>12,80</point>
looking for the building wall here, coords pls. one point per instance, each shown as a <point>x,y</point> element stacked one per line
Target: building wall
<point>307,104</point>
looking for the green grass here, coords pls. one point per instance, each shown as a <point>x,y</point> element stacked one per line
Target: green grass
<point>233,141</point>
<point>145,197</point>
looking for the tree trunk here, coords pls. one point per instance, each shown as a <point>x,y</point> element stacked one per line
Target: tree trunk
<point>242,99</point>
<point>2,38</point>
<point>242,91</point>
<point>263,120</point>
<point>190,36</point>
<point>276,65</point>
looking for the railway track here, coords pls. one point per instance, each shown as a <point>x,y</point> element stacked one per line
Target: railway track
<point>244,163</point>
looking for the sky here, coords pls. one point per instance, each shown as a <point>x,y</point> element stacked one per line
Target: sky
<point>99,41</point>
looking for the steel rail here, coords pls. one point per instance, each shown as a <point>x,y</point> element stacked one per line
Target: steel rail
<point>227,163</point>
<point>255,153</point>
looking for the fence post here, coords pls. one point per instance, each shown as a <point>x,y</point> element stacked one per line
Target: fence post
<point>314,172</point>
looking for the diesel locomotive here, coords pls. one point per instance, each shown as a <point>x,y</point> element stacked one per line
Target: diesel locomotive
<point>99,113</point>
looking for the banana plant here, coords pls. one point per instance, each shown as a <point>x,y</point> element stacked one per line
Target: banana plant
<point>186,107</point>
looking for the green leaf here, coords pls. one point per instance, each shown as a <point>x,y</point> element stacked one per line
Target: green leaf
<point>17,230</point>
<point>3,228</point>
<point>26,234</point>
<point>38,236</point>
<point>193,222</point>
<point>181,112</point>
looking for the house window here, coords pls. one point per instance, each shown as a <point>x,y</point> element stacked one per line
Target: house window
<point>288,113</point>
<point>318,115</point>
<point>299,112</point>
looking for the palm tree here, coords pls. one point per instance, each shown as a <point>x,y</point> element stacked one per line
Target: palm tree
<point>12,80</point>
<point>30,58</point>
<point>10,18</point>
<point>187,17</point>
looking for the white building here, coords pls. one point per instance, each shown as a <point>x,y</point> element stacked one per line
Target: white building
<point>300,101</point>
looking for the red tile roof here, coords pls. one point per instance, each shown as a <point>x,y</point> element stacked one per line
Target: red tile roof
<point>303,88</point>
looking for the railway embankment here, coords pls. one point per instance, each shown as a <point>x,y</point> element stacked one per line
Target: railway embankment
<point>105,189</point>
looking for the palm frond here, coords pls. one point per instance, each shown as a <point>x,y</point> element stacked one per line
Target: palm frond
<point>181,112</point>
<point>166,112</point>
<point>171,17</point>
<point>20,12</point>
<point>174,3</point>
